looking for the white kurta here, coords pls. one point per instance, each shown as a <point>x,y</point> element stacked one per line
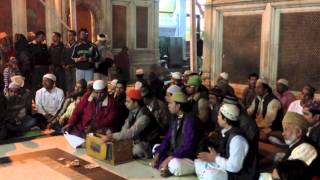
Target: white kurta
<point>49,102</point>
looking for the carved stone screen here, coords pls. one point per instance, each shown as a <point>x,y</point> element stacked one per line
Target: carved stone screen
<point>299,49</point>
<point>119,26</point>
<point>36,16</point>
<point>142,27</point>
<point>241,46</point>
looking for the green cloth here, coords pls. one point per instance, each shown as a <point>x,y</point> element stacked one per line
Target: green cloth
<point>194,81</point>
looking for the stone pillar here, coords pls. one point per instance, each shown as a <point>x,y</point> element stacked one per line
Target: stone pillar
<point>64,16</point>
<point>156,29</point>
<point>53,18</point>
<point>193,38</point>
<point>73,14</point>
<point>207,43</point>
<point>106,22</point>
<point>19,16</point>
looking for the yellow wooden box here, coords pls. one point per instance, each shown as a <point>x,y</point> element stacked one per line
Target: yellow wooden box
<point>112,152</point>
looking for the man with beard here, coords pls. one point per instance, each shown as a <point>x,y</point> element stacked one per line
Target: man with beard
<point>283,94</point>
<point>295,127</point>
<point>16,119</point>
<point>96,111</point>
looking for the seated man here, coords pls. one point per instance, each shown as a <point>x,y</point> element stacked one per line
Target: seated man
<point>49,99</point>
<point>233,160</point>
<point>96,111</point>
<point>307,95</point>
<point>140,126</point>
<point>295,127</point>
<point>57,122</point>
<point>120,98</point>
<point>16,120</point>
<point>158,108</point>
<point>266,110</point>
<point>284,94</point>
<point>311,112</point>
<point>170,91</point>
<point>223,84</point>
<point>177,150</point>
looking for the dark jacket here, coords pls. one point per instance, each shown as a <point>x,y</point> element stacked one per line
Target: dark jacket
<point>39,55</point>
<point>180,142</point>
<point>89,50</point>
<point>56,54</point>
<point>249,169</point>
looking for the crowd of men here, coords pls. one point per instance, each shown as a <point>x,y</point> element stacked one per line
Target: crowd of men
<point>182,125</point>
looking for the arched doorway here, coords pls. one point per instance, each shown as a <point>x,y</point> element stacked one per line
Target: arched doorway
<point>85,19</point>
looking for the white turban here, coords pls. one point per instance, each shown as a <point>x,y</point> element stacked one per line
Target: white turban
<point>138,85</point>
<point>99,85</point>
<point>13,85</point>
<point>284,82</point>
<point>139,71</point>
<point>176,75</point>
<point>173,89</point>
<point>230,111</point>
<point>18,79</point>
<point>50,76</point>
<point>224,75</point>
<point>114,82</point>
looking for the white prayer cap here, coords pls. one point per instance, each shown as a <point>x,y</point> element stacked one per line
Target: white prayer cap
<point>262,80</point>
<point>101,37</point>
<point>99,85</point>
<point>187,72</point>
<point>139,71</point>
<point>176,75</point>
<point>230,111</point>
<point>18,79</point>
<point>284,82</point>
<point>138,85</point>
<point>13,85</point>
<point>173,89</point>
<point>114,82</point>
<point>50,76</point>
<point>224,75</point>
<point>162,61</point>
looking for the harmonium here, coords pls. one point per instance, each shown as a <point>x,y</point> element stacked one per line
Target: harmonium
<point>114,153</point>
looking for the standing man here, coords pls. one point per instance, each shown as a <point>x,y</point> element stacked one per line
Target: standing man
<point>39,60</point>
<point>69,66</point>
<point>56,59</point>
<point>85,54</point>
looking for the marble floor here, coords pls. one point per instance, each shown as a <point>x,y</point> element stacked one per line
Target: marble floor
<point>132,170</point>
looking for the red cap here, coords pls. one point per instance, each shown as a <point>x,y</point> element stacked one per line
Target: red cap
<point>134,94</point>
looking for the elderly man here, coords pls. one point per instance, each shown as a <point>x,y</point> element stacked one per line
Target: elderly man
<point>157,107</point>
<point>96,111</point>
<point>266,109</point>
<point>307,95</point>
<point>139,126</point>
<point>140,78</point>
<point>16,119</point>
<point>233,160</point>
<point>283,94</point>
<point>175,154</point>
<point>49,99</point>
<point>295,127</point>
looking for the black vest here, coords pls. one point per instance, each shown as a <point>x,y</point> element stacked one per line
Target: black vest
<point>277,123</point>
<point>150,133</point>
<point>249,169</point>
